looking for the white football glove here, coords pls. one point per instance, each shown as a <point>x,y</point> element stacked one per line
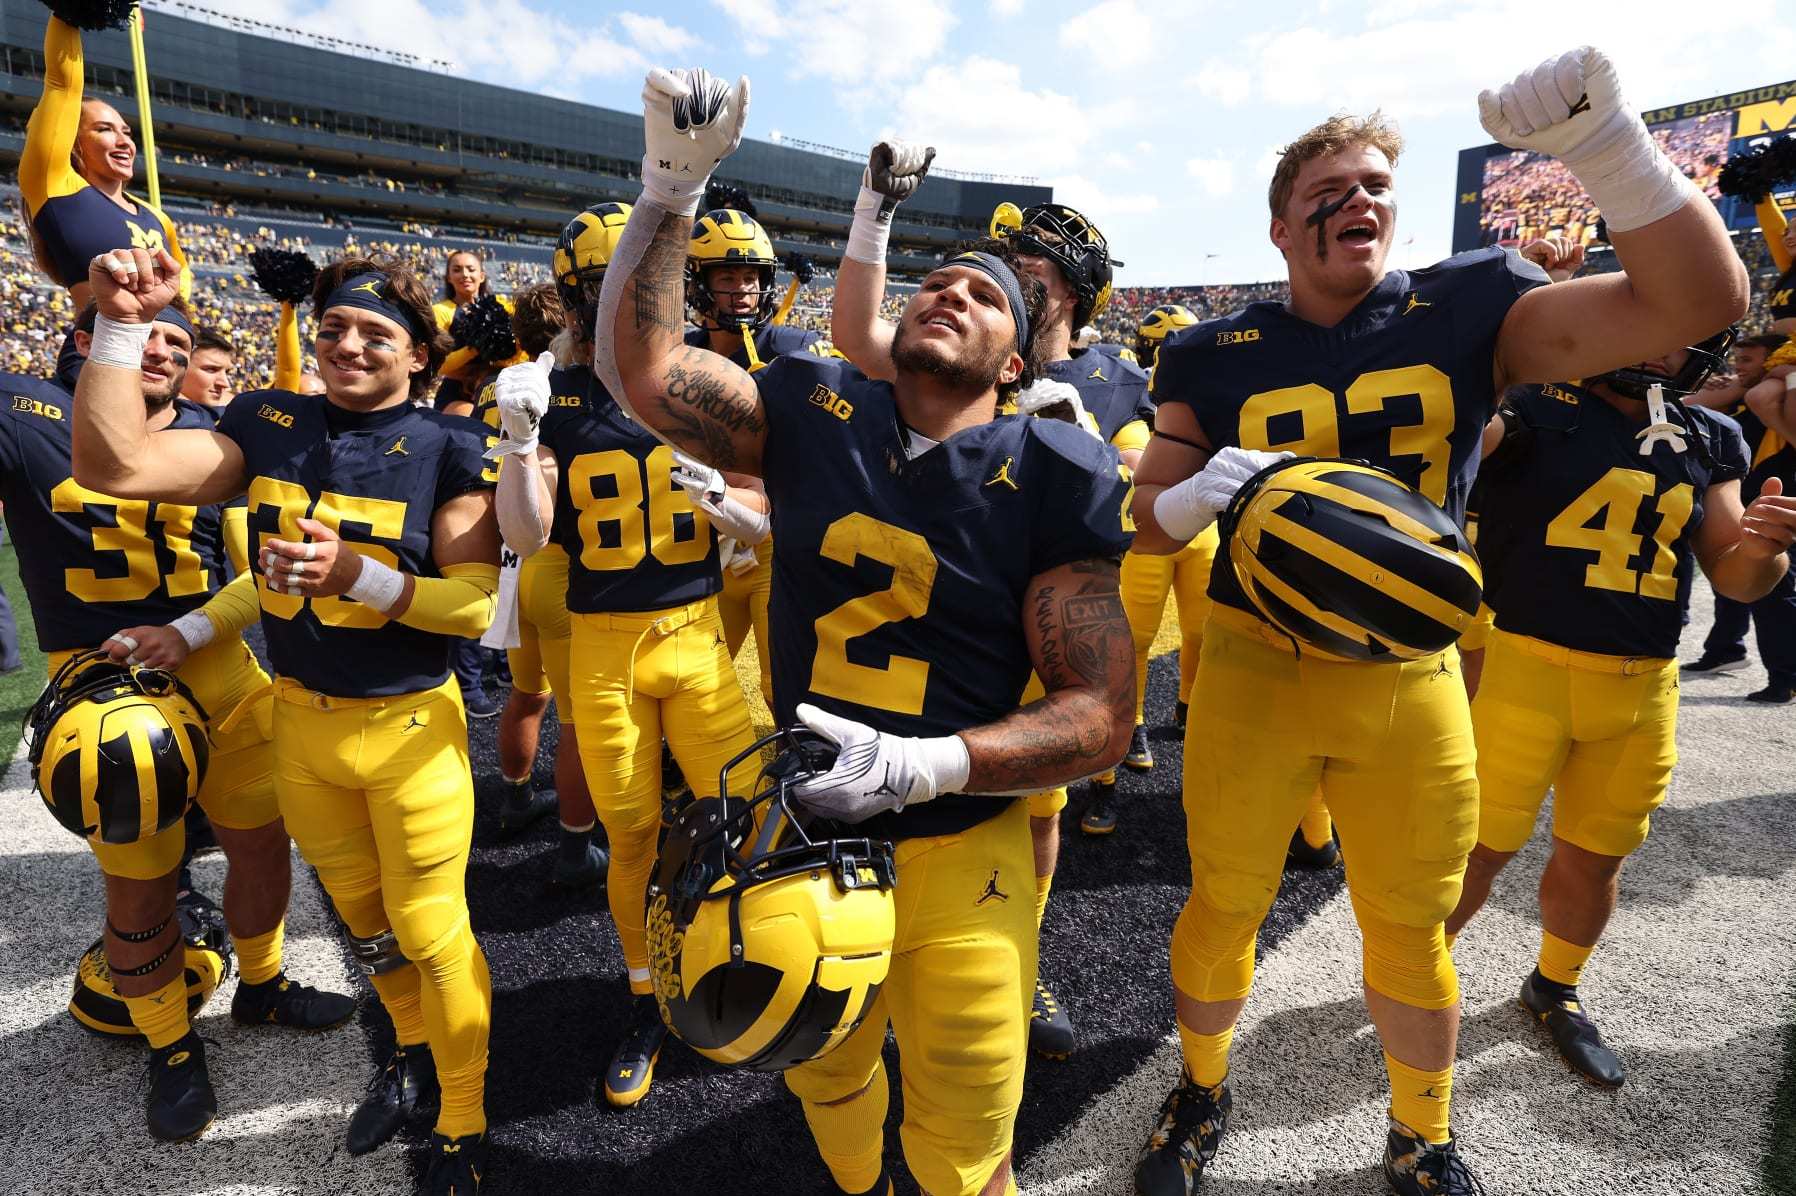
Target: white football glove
<point>522,393</point>
<point>1046,393</point>
<point>876,771</point>
<point>895,169</point>
<point>1184,510</point>
<point>702,484</point>
<point>1571,108</point>
<point>710,493</point>
<point>691,121</point>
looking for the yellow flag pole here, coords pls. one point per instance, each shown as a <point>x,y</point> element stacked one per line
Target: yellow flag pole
<point>145,125</point>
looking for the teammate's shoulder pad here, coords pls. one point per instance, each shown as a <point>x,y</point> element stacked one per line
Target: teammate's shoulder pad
<point>1477,266</point>
<point>1073,445</point>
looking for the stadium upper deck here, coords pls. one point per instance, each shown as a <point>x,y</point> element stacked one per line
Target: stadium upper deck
<point>249,119</point>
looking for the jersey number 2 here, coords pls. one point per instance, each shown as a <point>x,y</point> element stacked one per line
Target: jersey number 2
<point>900,685</point>
<point>1618,498</point>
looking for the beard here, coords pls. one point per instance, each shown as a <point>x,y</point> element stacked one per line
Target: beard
<point>970,372</point>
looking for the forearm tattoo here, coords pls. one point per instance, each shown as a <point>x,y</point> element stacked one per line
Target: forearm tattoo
<point>657,285</point>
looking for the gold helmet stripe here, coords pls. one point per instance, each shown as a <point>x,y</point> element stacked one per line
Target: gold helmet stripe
<point>1361,569</point>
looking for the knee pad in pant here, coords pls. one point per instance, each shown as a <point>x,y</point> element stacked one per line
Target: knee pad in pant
<point>1408,964</point>
<point>1212,952</point>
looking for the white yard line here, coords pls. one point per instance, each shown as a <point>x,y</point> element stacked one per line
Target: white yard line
<point>74,1101</point>
<point>1690,984</point>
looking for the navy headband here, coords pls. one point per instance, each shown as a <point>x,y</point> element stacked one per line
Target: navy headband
<point>371,292</point>
<point>995,268</point>
<point>173,315</point>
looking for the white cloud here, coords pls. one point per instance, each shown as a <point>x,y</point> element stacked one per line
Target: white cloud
<point>1215,175</point>
<point>655,36</point>
<point>980,116</point>
<point>847,42</point>
<point>1115,27</point>
<point>1228,85</point>
<point>1006,8</point>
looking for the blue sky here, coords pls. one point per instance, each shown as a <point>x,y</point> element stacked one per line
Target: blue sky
<point>1160,121</point>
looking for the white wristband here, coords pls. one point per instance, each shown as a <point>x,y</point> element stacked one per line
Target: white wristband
<point>947,762</point>
<point>118,344</point>
<point>679,196</point>
<point>871,229</point>
<point>1630,179</point>
<point>195,628</point>
<point>377,585</point>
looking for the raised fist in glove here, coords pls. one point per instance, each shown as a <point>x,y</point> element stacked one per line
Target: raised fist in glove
<point>1184,510</point>
<point>522,394</point>
<point>1562,107</point>
<point>702,484</point>
<point>1056,400</point>
<point>876,771</point>
<point>691,121</point>
<point>896,169</point>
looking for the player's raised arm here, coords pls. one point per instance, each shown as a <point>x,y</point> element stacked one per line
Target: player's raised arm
<point>690,397</point>
<point>1681,279</point>
<point>895,169</point>
<point>113,451</point>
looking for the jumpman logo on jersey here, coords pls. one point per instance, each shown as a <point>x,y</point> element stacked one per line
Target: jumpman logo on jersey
<point>1415,301</point>
<point>1003,475</point>
<point>398,447</point>
<point>992,891</point>
<point>1097,371</point>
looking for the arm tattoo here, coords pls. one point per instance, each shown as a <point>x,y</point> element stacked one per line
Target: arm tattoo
<point>659,295</point>
<point>706,412</point>
<point>1086,660</point>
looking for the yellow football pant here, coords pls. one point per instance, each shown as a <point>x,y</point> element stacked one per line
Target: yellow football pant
<point>1600,731</point>
<point>743,605</point>
<point>636,677</point>
<point>962,978</point>
<point>1390,745</point>
<point>1147,579</point>
<point>539,664</point>
<point>378,796</point>
<point>238,792</point>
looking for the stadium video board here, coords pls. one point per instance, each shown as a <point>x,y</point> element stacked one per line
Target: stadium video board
<point>1506,197</point>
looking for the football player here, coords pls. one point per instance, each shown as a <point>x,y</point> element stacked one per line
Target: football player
<point>1582,483</point>
<point>375,546</point>
<point>914,530</point>
<point>78,159</point>
<point>98,570</point>
<point>1097,390</point>
<point>1400,369</point>
<point>647,656</point>
<point>535,613</point>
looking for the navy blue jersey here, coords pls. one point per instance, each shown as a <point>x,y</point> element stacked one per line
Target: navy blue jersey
<point>633,538</point>
<point>1405,381</point>
<point>1113,389</point>
<point>377,479</point>
<point>93,564</point>
<point>775,340</point>
<point>898,584</point>
<point>1585,543</point>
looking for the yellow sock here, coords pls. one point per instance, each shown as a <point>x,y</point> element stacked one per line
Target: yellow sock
<point>162,1015</point>
<point>1317,826</point>
<point>851,1135</point>
<point>259,956</point>
<point>458,1009</point>
<point>1206,1055</point>
<point>398,992</point>
<point>1562,962</point>
<point>1043,884</point>
<point>1421,1099</point>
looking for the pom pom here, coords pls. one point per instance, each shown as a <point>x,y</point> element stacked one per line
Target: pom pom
<point>485,327</point>
<point>800,267</point>
<point>1758,172</point>
<point>728,195</point>
<point>93,14</point>
<point>283,274</point>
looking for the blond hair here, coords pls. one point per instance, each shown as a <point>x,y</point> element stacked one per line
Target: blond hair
<point>1337,133</point>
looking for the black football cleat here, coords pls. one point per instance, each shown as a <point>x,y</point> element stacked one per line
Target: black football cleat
<point>1710,662</point>
<point>1100,815</point>
<point>580,866</point>
<point>1180,713</point>
<point>1192,1119</point>
<point>1050,1030</point>
<point>631,1071</point>
<point>1573,1032</point>
<point>406,1086</point>
<point>181,1103</point>
<point>1301,855</point>
<point>881,1186</point>
<point>524,806</point>
<point>281,1002</point>
<point>455,1166</point>
<point>1140,757</point>
<point>1773,695</point>
<point>1414,1167</point>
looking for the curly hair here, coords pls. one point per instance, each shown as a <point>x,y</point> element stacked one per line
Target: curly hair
<point>1337,133</point>
<point>408,292</point>
<point>537,317</point>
